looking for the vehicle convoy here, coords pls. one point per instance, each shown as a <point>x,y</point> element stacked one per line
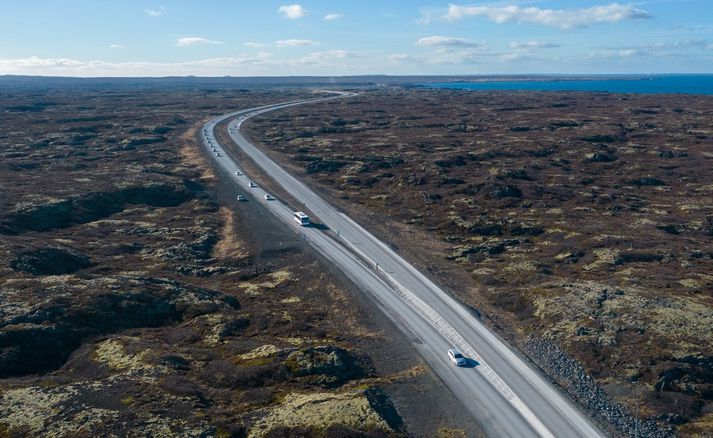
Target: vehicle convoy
<point>456,357</point>
<point>301,218</point>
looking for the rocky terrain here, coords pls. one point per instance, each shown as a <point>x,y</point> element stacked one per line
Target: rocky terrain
<point>580,225</point>
<point>136,301</point>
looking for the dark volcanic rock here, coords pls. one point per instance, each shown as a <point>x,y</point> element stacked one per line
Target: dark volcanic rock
<point>688,375</point>
<point>142,141</point>
<point>672,228</point>
<point>322,165</point>
<point>633,257</point>
<point>382,162</point>
<point>455,161</point>
<point>672,154</point>
<point>33,350</point>
<point>325,365</point>
<point>583,388</point>
<point>600,138</point>
<point>90,207</point>
<point>486,248</point>
<point>599,157</point>
<point>504,191</point>
<point>43,339</point>
<point>516,174</point>
<point>646,181</point>
<point>526,230</point>
<point>51,261</point>
<point>487,229</point>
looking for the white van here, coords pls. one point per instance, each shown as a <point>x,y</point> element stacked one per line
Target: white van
<point>301,218</point>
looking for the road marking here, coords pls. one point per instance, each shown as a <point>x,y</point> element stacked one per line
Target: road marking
<point>423,309</point>
<point>443,327</point>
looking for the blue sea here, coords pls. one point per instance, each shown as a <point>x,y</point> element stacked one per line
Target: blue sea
<point>686,84</point>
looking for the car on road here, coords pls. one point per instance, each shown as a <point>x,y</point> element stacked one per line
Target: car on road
<point>252,185</point>
<point>456,357</point>
<point>269,198</point>
<point>301,218</point>
<point>238,173</point>
<point>241,198</point>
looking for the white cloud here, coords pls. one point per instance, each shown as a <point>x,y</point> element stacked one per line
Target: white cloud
<point>426,17</point>
<point>191,41</point>
<point>116,46</point>
<point>254,45</point>
<point>333,16</point>
<point>162,10</point>
<point>673,48</point>
<point>262,63</point>
<point>447,42</point>
<point>402,57</point>
<point>678,45</point>
<point>329,59</point>
<point>562,18</point>
<point>292,12</point>
<point>331,54</point>
<point>533,45</point>
<point>295,42</point>
<point>628,52</point>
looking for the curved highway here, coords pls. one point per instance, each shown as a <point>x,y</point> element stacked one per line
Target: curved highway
<point>505,395</point>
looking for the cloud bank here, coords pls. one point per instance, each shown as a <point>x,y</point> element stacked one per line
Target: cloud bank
<point>562,18</point>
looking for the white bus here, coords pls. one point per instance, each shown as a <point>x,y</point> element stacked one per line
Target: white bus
<point>301,218</point>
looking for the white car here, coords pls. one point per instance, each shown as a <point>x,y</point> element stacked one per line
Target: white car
<point>456,357</point>
<point>269,198</point>
<point>241,198</point>
<point>237,172</point>
<point>252,185</point>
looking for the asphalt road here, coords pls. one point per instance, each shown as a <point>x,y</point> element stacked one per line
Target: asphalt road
<point>505,395</point>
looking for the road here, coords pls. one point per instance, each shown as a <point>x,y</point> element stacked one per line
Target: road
<point>505,395</point>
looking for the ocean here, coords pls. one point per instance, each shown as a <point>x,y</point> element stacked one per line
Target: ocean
<point>685,84</point>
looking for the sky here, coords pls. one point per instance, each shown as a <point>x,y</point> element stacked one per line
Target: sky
<point>345,37</point>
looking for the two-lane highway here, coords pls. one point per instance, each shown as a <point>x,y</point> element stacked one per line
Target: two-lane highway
<point>506,396</point>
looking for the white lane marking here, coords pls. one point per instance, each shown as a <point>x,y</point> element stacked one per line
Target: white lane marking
<point>442,326</point>
<point>449,332</point>
<point>559,403</point>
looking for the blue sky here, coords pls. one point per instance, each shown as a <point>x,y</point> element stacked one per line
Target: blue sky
<point>248,38</point>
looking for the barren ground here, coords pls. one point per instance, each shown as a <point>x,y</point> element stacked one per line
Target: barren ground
<point>137,299</point>
<point>585,219</point>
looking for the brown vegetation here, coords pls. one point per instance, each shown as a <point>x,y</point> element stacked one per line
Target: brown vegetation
<point>584,218</point>
<point>132,302</point>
